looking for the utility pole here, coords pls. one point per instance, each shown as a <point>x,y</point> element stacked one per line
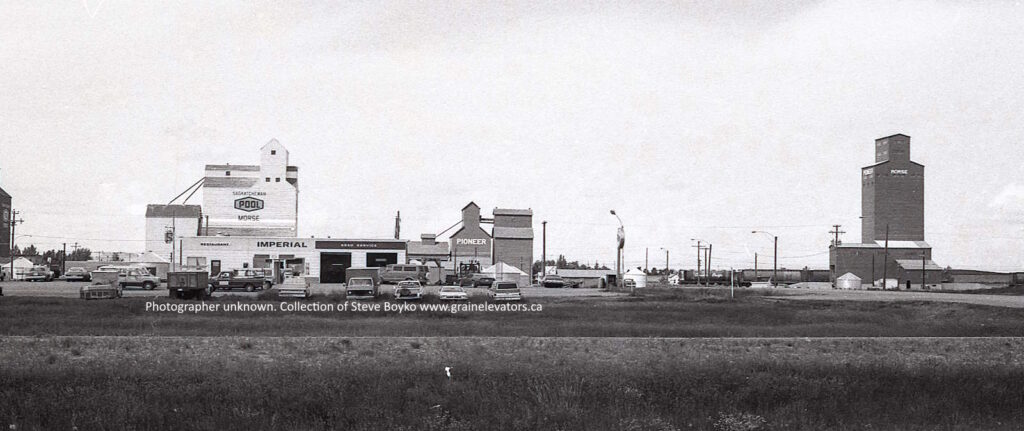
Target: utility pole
<point>14,222</point>
<point>709,265</point>
<point>775,265</point>
<point>696,273</point>
<point>647,254</point>
<point>922,269</point>
<point>835,230</point>
<point>544,249</point>
<point>398,224</point>
<point>666,262</point>
<point>835,243</point>
<point>885,260</point>
<point>63,258</point>
<point>755,266</point>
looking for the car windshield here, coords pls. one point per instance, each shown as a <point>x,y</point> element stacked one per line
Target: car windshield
<point>554,277</point>
<point>360,282</point>
<point>76,270</point>
<point>408,284</point>
<point>451,289</point>
<point>505,286</point>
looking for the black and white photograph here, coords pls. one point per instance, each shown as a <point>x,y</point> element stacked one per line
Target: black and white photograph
<point>553,215</point>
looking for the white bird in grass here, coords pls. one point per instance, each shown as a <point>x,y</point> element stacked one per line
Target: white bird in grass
<point>448,372</point>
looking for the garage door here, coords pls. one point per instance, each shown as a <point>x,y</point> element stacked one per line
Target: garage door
<point>333,266</point>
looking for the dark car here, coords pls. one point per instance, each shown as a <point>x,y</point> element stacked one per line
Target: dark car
<point>477,282</point>
<point>77,274</point>
<point>248,279</point>
<point>552,280</point>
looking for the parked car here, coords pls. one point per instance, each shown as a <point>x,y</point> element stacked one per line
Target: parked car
<point>505,291</point>
<point>77,274</point>
<point>396,273</point>
<point>39,273</point>
<point>409,289</point>
<point>552,280</point>
<point>248,279</point>
<point>361,288</point>
<point>453,293</point>
<point>135,276</point>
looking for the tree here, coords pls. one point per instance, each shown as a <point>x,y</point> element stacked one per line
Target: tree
<point>53,256</point>
<point>16,251</point>
<point>80,255</point>
<point>30,251</point>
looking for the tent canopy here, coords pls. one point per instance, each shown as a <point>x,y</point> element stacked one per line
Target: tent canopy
<point>503,268</point>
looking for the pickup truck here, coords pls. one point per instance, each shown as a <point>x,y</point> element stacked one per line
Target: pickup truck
<point>135,276</point>
<point>505,291</point>
<point>248,279</point>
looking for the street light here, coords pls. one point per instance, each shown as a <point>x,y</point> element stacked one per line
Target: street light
<point>621,236</point>
<point>775,257</point>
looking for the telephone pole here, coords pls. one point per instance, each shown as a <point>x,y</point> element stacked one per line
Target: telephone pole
<point>835,230</point>
<point>697,269</point>
<point>14,222</point>
<point>544,249</point>
<point>835,243</point>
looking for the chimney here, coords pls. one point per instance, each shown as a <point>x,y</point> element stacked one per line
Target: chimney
<point>428,239</point>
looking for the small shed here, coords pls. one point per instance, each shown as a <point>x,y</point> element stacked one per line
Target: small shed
<point>21,266</point>
<point>848,281</point>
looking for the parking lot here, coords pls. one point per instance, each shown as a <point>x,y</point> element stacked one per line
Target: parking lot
<point>65,289</point>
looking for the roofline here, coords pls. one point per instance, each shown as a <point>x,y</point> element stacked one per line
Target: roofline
<point>887,161</point>
<point>892,136</point>
<point>471,203</point>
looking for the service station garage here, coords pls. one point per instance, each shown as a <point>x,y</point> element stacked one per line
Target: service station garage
<point>325,259</point>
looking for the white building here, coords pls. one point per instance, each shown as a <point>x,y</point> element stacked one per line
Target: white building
<point>253,200</point>
<point>324,259</point>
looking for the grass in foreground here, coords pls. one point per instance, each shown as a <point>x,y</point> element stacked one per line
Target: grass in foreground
<point>662,313</point>
<point>509,384</point>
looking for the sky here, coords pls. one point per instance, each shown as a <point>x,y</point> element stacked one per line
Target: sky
<point>691,119</point>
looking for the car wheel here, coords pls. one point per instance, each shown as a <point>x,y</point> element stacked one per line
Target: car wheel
<point>268,285</point>
<point>148,286</point>
<point>249,287</point>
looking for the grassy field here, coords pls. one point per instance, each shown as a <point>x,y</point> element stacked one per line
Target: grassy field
<point>257,383</point>
<point>665,313</point>
<point>67,363</point>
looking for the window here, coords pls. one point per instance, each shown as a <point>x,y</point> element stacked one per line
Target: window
<point>273,152</point>
<point>268,179</point>
<point>227,173</point>
<point>277,180</point>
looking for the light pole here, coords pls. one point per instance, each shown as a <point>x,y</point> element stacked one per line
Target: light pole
<point>775,257</point>
<point>621,237</point>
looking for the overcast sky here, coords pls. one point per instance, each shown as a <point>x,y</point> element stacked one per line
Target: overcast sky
<point>693,120</point>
